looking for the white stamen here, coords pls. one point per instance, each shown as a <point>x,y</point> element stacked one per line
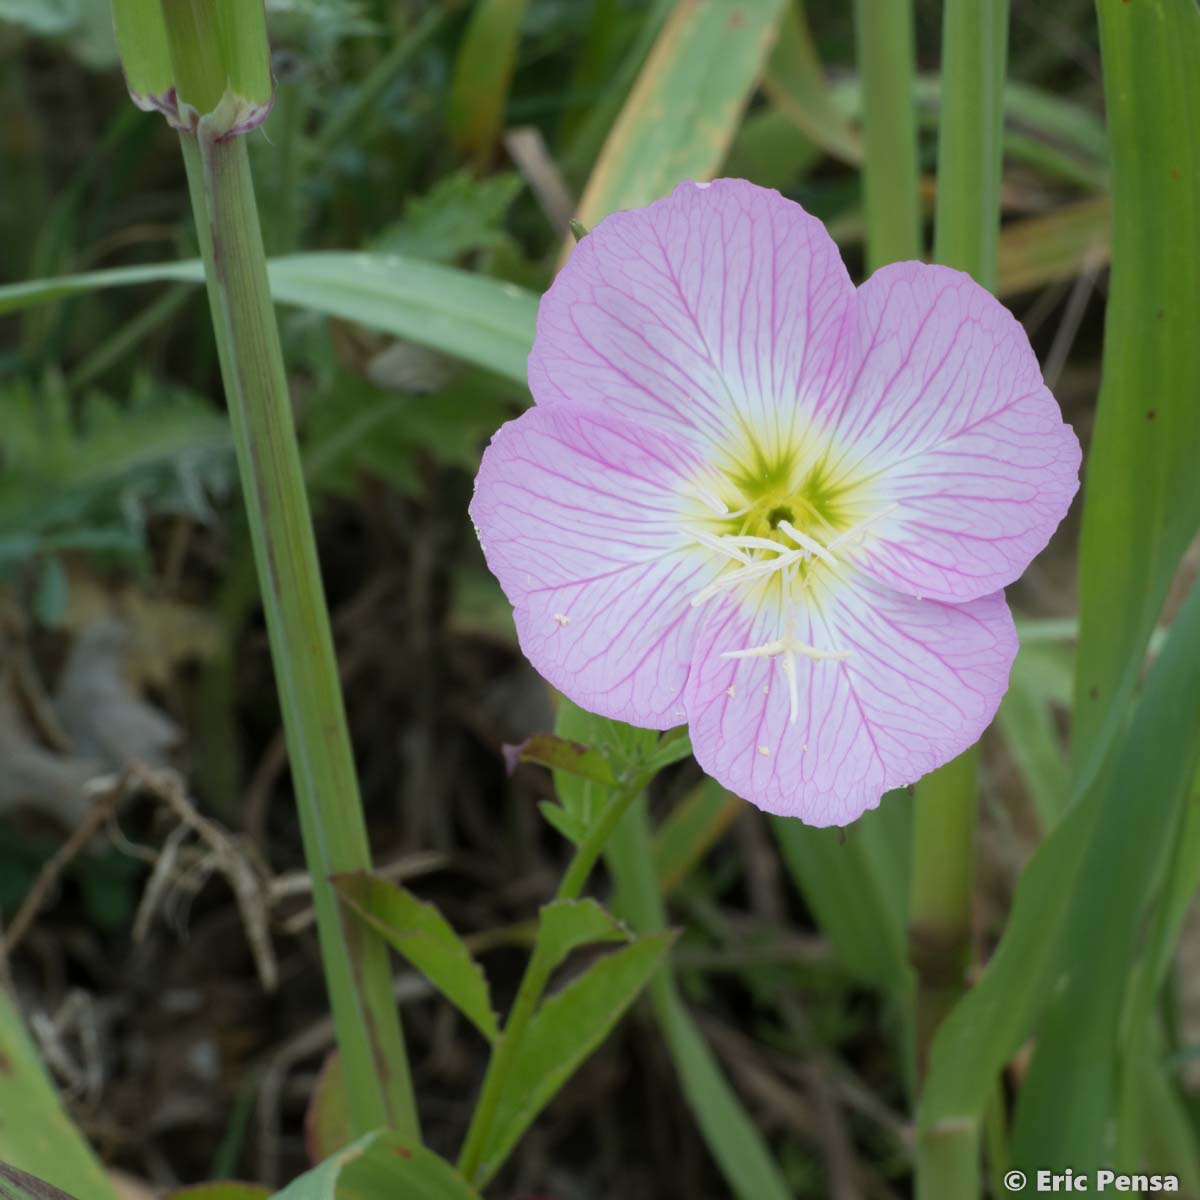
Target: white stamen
<point>722,545</point>
<point>809,544</point>
<point>562,619</point>
<point>731,691</point>
<point>789,647</point>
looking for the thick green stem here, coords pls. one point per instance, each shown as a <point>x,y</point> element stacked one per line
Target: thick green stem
<point>533,985</point>
<point>939,914</point>
<point>970,139</point>
<point>884,37</point>
<point>331,819</point>
<point>974,55</point>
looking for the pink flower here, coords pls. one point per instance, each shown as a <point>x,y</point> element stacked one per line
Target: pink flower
<point>755,499</point>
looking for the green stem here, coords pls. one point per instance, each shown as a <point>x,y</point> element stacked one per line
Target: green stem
<point>970,146</point>
<point>334,832</point>
<point>884,37</point>
<point>533,985</point>
<point>970,139</point>
<point>939,913</point>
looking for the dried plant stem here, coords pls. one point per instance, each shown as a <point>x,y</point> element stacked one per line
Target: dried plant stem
<point>334,832</point>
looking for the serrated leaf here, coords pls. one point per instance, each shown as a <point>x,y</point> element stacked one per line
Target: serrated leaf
<point>563,756</point>
<point>460,213</point>
<point>565,925</point>
<point>566,1030</point>
<point>91,481</point>
<point>381,1165</point>
<point>419,933</point>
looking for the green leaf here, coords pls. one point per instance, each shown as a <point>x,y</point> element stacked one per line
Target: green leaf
<point>1142,491</point>
<point>327,1122</point>
<point>377,1166</point>
<point>566,1030</point>
<point>420,933</point>
<point>682,113</point>
<point>1069,1097</point>
<point>483,70</point>
<point>88,479</point>
<point>583,799</point>
<point>35,1135</point>
<point>457,215</point>
<point>469,316</point>
<point>573,758</point>
<point>565,925</point>
<point>1153,762</point>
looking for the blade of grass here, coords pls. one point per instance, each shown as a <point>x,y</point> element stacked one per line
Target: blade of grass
<point>989,1024</point>
<point>795,83</point>
<point>1069,1099</point>
<point>483,71</point>
<point>466,315</point>
<point>1148,419</point>
<point>884,37</point>
<point>682,113</point>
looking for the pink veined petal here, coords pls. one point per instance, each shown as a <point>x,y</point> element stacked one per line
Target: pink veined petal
<point>923,682</point>
<point>947,411</point>
<point>577,513</point>
<point>720,304</point>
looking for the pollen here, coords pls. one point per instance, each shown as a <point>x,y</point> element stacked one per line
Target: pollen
<point>731,691</point>
<point>562,619</point>
<point>764,751</point>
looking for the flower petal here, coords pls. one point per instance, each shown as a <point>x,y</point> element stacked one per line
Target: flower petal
<point>577,513</point>
<point>947,413</point>
<point>721,305</point>
<point>923,681</point>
